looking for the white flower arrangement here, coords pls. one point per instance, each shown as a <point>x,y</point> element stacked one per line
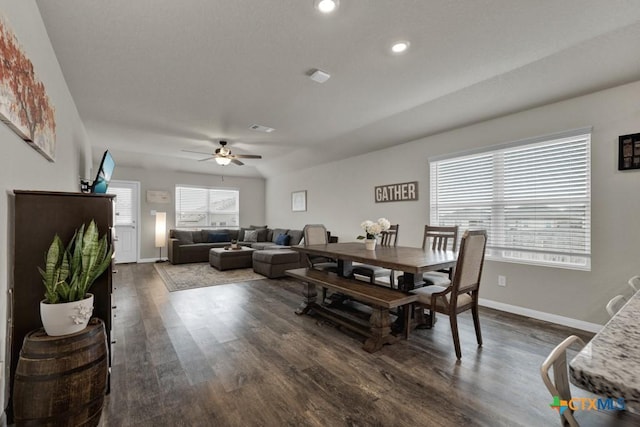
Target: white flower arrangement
<point>373,229</point>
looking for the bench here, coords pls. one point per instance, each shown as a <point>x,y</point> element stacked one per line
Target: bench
<point>379,298</point>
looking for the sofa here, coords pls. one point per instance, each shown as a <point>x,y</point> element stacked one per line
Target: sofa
<point>186,246</point>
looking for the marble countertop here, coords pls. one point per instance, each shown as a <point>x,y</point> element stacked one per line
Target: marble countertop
<point>609,365</point>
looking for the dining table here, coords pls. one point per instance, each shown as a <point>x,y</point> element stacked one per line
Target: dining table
<point>411,261</point>
<point>609,365</point>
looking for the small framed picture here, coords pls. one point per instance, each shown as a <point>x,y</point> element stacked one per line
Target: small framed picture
<point>629,152</point>
<point>299,201</point>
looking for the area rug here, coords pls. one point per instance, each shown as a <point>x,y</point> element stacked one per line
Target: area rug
<point>189,276</point>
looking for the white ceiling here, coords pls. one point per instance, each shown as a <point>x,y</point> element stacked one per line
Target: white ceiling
<point>151,78</point>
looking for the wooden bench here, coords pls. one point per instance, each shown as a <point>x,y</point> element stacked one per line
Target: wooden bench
<point>379,298</point>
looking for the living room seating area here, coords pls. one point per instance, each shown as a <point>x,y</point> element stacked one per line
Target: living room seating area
<point>187,246</point>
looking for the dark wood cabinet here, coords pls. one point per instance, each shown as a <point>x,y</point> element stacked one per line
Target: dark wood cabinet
<point>37,217</point>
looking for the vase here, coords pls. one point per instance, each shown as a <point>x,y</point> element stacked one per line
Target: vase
<point>370,244</point>
<point>67,317</point>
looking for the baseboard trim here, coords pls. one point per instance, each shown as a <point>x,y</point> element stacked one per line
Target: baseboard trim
<point>145,260</point>
<point>541,315</point>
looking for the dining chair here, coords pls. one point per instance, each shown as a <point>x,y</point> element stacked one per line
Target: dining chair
<point>316,234</point>
<point>615,304</point>
<point>462,293</point>
<point>387,238</point>
<point>634,282</point>
<point>439,238</point>
<point>560,388</point>
<point>560,385</point>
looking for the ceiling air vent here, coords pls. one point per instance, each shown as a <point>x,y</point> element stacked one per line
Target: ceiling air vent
<point>260,128</point>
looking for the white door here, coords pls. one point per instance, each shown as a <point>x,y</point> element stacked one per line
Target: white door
<point>126,220</point>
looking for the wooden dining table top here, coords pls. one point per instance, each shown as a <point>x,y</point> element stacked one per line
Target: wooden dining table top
<point>609,365</point>
<point>401,258</point>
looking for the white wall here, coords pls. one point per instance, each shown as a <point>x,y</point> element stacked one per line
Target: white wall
<point>21,167</point>
<point>340,195</point>
<point>252,193</point>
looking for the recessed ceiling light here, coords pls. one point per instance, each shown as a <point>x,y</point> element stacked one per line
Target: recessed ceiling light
<point>319,76</point>
<point>400,47</point>
<point>326,6</point>
<point>261,128</point>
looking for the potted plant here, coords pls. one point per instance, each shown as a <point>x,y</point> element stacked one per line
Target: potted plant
<point>68,274</point>
<point>372,230</point>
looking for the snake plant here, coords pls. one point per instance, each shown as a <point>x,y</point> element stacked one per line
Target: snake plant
<point>70,272</point>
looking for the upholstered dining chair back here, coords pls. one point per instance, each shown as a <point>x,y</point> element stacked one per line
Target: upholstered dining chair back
<point>440,238</point>
<point>634,282</point>
<point>315,234</point>
<point>470,260</point>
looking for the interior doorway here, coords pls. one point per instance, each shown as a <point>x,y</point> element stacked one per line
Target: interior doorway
<point>127,213</point>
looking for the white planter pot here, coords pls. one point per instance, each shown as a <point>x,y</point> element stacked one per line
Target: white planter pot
<point>370,244</point>
<point>67,317</point>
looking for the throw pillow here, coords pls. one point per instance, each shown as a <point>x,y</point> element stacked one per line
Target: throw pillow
<point>241,234</point>
<point>251,236</point>
<point>262,234</point>
<point>277,232</point>
<point>219,237</point>
<point>282,240</point>
<point>296,237</point>
<point>184,236</point>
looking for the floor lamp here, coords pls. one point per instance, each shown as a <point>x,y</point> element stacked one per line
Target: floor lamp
<point>161,232</point>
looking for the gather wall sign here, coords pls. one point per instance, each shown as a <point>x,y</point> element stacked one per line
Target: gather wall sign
<point>405,191</point>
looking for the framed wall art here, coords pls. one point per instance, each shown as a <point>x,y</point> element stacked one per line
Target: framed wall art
<point>24,104</point>
<point>629,152</point>
<point>299,201</point>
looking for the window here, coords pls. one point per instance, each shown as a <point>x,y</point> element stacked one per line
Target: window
<point>124,205</point>
<point>533,197</point>
<point>199,207</point>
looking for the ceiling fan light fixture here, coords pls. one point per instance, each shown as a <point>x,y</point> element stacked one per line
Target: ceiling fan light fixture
<point>326,6</point>
<point>223,161</point>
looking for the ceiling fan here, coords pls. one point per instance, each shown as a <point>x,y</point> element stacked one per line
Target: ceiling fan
<point>223,155</point>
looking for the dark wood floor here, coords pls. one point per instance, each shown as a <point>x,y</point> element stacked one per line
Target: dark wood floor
<point>237,355</point>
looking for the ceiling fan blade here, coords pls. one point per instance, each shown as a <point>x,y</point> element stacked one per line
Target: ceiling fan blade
<point>208,158</point>
<point>198,152</point>
<point>237,162</point>
<point>247,156</point>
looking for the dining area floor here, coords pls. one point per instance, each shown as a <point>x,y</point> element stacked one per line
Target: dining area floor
<point>237,355</point>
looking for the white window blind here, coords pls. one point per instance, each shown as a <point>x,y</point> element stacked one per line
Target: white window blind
<point>534,199</point>
<point>207,207</point>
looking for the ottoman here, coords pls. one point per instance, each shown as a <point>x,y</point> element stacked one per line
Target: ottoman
<point>227,259</point>
<point>273,262</point>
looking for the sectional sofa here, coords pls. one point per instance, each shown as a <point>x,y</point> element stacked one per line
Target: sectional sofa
<point>187,246</point>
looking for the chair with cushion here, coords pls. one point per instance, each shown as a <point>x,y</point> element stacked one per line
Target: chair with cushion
<point>439,238</point>
<point>615,304</point>
<point>634,282</point>
<point>462,293</point>
<point>316,234</point>
<point>387,238</point>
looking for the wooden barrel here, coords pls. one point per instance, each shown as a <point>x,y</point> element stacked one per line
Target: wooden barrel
<point>61,381</point>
